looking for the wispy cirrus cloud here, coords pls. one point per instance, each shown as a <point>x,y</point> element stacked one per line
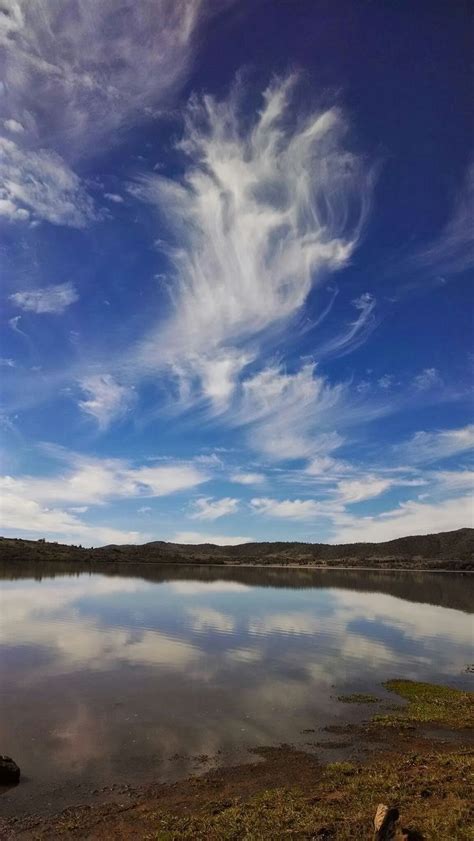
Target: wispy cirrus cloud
<point>357,331</point>
<point>261,214</point>
<point>73,77</point>
<point>427,379</point>
<point>287,413</point>
<point>427,447</point>
<point>39,185</point>
<point>75,74</point>
<point>107,400</point>
<point>449,253</point>
<point>50,299</point>
<point>452,251</point>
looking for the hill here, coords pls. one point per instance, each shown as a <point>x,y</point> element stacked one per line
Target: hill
<point>446,550</point>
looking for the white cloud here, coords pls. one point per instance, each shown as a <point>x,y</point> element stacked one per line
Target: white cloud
<point>6,362</point>
<point>20,513</point>
<point>80,78</point>
<point>247,478</point>
<point>426,379</point>
<point>32,503</point>
<point>50,299</point>
<point>207,508</point>
<point>385,382</point>
<point>409,518</point>
<point>292,509</point>
<point>326,467</point>
<point>196,538</point>
<point>14,126</point>
<point>427,447</point>
<point>260,216</point>
<point>454,479</point>
<point>92,481</point>
<point>39,184</point>
<point>107,399</point>
<point>368,487</point>
<point>212,377</point>
<point>10,211</point>
<point>114,197</point>
<point>349,491</point>
<point>14,322</point>
<point>288,413</point>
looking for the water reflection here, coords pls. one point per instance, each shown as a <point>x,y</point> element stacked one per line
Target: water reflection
<point>105,677</point>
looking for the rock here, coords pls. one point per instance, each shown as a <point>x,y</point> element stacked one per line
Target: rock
<point>9,771</point>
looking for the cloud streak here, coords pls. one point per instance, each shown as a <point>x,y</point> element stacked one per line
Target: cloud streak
<point>427,447</point>
<point>453,251</point>
<point>49,299</point>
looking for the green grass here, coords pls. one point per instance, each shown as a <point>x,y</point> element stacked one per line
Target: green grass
<point>432,793</point>
<point>429,703</point>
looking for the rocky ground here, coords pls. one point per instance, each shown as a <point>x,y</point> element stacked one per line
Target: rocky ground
<point>419,758</point>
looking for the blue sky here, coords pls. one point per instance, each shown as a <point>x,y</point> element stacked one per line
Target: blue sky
<point>237,270</point>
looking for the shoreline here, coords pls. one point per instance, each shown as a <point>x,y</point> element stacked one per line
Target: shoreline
<point>415,755</point>
<point>87,562</point>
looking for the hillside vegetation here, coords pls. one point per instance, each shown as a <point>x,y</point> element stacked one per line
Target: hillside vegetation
<point>446,550</point>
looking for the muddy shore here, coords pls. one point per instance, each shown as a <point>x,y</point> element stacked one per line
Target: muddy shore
<point>417,756</point>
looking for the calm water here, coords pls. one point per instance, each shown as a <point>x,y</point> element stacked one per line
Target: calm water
<point>136,673</point>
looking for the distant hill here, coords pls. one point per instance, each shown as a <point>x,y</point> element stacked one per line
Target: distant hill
<point>446,550</point>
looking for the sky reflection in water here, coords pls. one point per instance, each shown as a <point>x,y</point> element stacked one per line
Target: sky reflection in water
<point>105,678</point>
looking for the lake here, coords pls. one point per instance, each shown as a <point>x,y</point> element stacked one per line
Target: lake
<point>140,673</point>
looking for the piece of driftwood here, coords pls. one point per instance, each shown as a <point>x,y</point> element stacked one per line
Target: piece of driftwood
<point>386,824</point>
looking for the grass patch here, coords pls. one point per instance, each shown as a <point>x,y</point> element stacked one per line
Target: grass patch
<point>432,792</point>
<point>429,703</point>
<point>358,698</point>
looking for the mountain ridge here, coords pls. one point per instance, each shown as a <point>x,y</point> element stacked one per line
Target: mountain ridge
<point>451,550</point>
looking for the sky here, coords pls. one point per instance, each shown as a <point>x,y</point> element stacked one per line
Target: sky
<point>236,258</point>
